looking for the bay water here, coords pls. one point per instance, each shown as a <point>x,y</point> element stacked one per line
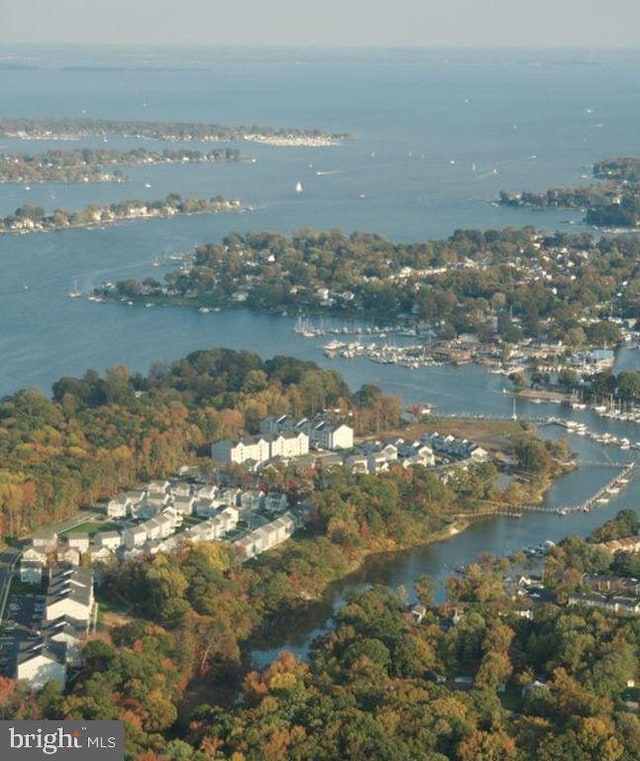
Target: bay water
<point>435,136</point>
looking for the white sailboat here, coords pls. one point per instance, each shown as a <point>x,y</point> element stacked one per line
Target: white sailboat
<point>73,292</point>
<point>299,187</point>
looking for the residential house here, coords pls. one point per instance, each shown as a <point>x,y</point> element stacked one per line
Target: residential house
<point>109,539</point>
<point>32,565</point>
<point>134,536</point>
<point>69,555</point>
<point>207,492</point>
<point>326,435</point>
<point>214,528</point>
<point>289,444</point>
<point>156,488</point>
<point>78,541</point>
<point>242,450</point>
<point>184,504</point>
<point>275,424</point>
<point>42,662</point>
<point>260,449</point>
<point>205,508</point>
<point>377,462</point>
<point>67,631</point>
<point>70,593</point>
<point>181,489</point>
<point>101,554</point>
<point>251,499</point>
<point>44,540</point>
<point>626,544</point>
<point>611,603</point>
<point>265,537</point>
<point>119,506</point>
<point>230,496</point>
<point>275,502</point>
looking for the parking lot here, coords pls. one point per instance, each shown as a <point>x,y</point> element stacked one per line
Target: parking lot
<point>23,616</point>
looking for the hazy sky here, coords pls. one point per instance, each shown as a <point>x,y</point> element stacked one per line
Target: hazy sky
<point>481,23</point>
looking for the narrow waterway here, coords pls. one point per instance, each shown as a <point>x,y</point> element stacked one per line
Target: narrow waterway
<point>498,536</point>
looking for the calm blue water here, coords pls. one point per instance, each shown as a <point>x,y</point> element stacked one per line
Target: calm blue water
<point>436,136</point>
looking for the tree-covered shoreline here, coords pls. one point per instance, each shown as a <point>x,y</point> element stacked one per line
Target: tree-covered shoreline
<point>613,202</point>
<point>511,284</point>
<point>30,218</point>
<point>98,164</point>
<point>73,128</point>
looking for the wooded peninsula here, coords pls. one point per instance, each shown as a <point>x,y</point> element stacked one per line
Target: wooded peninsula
<point>98,164</point>
<point>30,218</point>
<point>74,129</point>
<point>613,202</point>
<point>514,284</point>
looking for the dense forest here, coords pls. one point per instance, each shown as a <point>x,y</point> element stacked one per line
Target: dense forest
<point>613,202</point>
<point>483,677</point>
<point>97,164</point>
<point>510,283</point>
<point>101,433</point>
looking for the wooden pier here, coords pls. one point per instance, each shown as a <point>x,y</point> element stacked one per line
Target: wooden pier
<point>617,483</point>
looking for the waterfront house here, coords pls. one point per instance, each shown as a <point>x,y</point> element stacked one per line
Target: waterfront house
<point>626,544</point>
<point>611,603</point>
<point>265,537</point>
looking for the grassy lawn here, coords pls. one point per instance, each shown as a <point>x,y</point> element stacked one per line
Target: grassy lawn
<point>92,527</point>
<point>107,605</point>
<point>193,520</point>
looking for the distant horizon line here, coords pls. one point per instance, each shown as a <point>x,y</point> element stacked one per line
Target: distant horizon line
<point>320,46</point>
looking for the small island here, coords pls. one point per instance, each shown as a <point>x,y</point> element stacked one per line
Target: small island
<point>614,202</point>
<point>98,164</point>
<point>74,129</point>
<point>30,218</point>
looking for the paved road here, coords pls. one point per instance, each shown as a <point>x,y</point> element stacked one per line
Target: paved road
<point>10,556</point>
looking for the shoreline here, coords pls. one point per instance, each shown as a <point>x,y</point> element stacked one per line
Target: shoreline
<point>99,224</point>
